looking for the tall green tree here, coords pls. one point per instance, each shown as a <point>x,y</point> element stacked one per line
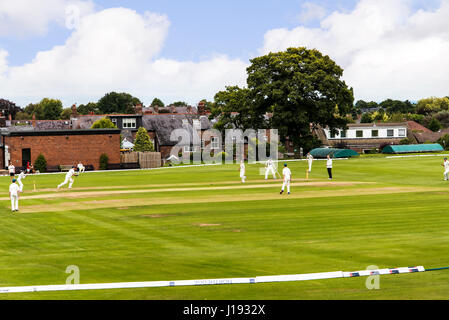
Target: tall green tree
<point>157,102</point>
<point>233,109</point>
<point>114,102</point>
<point>88,108</point>
<point>51,108</point>
<point>65,114</point>
<point>143,142</point>
<point>104,123</point>
<point>299,87</point>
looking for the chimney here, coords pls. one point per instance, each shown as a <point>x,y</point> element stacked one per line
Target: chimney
<point>139,109</point>
<point>156,109</point>
<point>189,109</point>
<point>172,109</point>
<point>74,111</point>
<point>10,117</point>
<point>201,108</point>
<point>34,120</point>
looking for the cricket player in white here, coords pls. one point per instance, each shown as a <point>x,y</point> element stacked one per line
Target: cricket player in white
<point>446,169</point>
<point>269,167</point>
<point>310,161</point>
<point>14,191</point>
<point>22,175</point>
<point>329,166</point>
<point>287,177</point>
<point>12,171</point>
<point>80,167</point>
<point>68,178</point>
<point>242,171</point>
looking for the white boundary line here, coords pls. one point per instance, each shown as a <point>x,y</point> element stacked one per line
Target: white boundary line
<point>205,282</point>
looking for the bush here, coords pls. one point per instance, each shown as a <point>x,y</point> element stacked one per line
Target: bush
<point>405,141</point>
<point>104,123</point>
<point>434,125</point>
<point>444,141</point>
<point>40,164</point>
<point>104,159</point>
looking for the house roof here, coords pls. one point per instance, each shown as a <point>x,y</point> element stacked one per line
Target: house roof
<point>377,124</point>
<point>412,125</point>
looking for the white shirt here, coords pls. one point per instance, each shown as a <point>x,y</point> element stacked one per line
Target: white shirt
<point>70,173</point>
<point>242,167</point>
<point>287,173</point>
<point>329,163</point>
<point>14,189</point>
<point>309,157</point>
<point>80,165</point>
<point>270,163</point>
<point>21,176</point>
<point>446,164</point>
<point>12,169</point>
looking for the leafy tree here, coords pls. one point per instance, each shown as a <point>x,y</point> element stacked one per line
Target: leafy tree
<point>66,113</point>
<point>432,105</point>
<point>366,118</point>
<point>157,102</point>
<point>434,125</point>
<point>51,109</point>
<point>40,163</point>
<point>299,87</point>
<point>397,106</point>
<point>405,141</point>
<point>397,117</point>
<point>142,142</point>
<point>9,108</point>
<point>88,108</point>
<point>361,105</point>
<point>36,109</point>
<point>233,108</point>
<point>23,116</point>
<point>114,102</point>
<point>104,123</point>
<point>179,104</point>
<point>208,104</point>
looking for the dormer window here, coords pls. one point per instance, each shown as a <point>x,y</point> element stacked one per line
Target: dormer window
<point>130,123</point>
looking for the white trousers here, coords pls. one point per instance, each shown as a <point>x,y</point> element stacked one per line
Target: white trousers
<point>310,166</point>
<point>82,169</point>
<point>20,185</point>
<point>242,176</point>
<point>286,183</point>
<point>267,172</point>
<point>14,202</point>
<point>67,180</point>
<point>446,174</point>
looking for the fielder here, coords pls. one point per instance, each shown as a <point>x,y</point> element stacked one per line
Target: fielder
<point>310,161</point>
<point>14,191</point>
<point>446,169</point>
<point>12,170</point>
<point>269,167</point>
<point>68,178</point>
<point>329,166</point>
<point>287,177</point>
<point>80,167</point>
<point>242,171</point>
<point>22,175</point>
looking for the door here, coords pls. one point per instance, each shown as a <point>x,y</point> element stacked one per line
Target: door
<point>26,157</point>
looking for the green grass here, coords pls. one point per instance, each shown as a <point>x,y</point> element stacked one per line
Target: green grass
<point>252,231</point>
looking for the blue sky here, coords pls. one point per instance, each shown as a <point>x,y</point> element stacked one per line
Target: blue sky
<point>198,27</point>
<point>201,46</point>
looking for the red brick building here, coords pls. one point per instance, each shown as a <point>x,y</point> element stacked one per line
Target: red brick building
<point>60,147</point>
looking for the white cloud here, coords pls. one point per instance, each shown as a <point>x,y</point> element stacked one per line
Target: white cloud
<point>311,12</point>
<point>386,49</point>
<point>25,17</point>
<point>117,50</point>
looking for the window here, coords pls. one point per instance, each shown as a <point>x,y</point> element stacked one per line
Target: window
<point>129,123</point>
<point>215,143</point>
<point>343,134</point>
<point>374,133</point>
<point>402,133</point>
<point>188,149</point>
<point>332,135</point>
<point>390,133</point>
<point>359,133</point>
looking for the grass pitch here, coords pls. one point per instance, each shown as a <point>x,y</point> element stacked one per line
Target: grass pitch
<point>200,223</point>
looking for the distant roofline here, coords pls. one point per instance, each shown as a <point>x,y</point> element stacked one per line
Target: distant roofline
<point>64,132</point>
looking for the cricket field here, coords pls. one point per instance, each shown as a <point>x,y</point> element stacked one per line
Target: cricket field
<point>203,223</point>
